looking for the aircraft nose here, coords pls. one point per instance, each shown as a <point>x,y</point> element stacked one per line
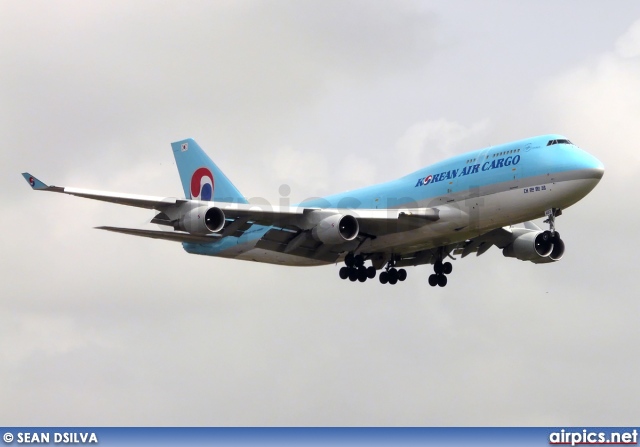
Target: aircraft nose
<point>598,172</point>
<point>595,167</point>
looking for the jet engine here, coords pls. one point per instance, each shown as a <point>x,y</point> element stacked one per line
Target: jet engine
<point>556,254</point>
<point>202,220</point>
<point>535,246</point>
<point>336,229</point>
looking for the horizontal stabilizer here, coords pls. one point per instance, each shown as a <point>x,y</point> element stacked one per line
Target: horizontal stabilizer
<point>167,235</point>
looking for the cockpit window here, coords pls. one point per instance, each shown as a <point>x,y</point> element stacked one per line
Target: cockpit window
<point>552,142</point>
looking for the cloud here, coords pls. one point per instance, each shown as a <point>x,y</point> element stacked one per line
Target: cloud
<point>628,45</point>
<point>598,106</point>
<point>230,65</point>
<point>303,171</point>
<point>319,96</point>
<point>433,140</point>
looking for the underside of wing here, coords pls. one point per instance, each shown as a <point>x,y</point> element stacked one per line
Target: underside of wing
<point>302,243</point>
<point>167,235</point>
<point>499,237</point>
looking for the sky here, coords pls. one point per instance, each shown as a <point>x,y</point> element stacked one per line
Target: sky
<point>99,328</point>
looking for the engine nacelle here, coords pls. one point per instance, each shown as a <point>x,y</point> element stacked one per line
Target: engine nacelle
<point>556,254</point>
<point>533,246</point>
<point>202,220</point>
<point>336,229</point>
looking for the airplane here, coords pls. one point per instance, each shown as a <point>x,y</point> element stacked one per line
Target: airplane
<point>465,204</point>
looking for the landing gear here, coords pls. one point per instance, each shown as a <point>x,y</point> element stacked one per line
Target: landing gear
<point>437,279</point>
<point>552,235</point>
<point>355,270</point>
<point>362,274</point>
<point>352,260</point>
<point>441,269</point>
<point>392,275</point>
<point>551,220</point>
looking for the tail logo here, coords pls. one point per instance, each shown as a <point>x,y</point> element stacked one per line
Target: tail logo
<point>202,184</point>
<point>32,181</point>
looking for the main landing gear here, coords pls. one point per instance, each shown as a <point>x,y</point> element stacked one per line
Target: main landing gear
<point>392,275</point>
<point>441,269</point>
<point>355,270</point>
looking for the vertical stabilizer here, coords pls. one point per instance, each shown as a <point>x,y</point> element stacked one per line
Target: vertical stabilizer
<point>201,178</point>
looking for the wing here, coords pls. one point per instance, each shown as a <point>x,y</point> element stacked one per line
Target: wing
<point>292,227</point>
<point>166,235</point>
<point>371,221</point>
<point>140,201</point>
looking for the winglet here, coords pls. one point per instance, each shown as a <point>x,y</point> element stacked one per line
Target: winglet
<point>34,182</point>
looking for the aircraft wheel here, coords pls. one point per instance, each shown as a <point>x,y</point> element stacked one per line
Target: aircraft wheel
<point>344,272</point>
<point>393,279</point>
<point>349,260</point>
<point>437,267</point>
<point>433,280</point>
<point>447,268</point>
<point>362,274</point>
<point>402,274</point>
<point>442,280</point>
<point>358,261</point>
<point>384,277</point>
<point>353,274</point>
<point>371,272</point>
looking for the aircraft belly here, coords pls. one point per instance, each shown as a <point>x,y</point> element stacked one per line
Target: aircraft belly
<point>244,248</point>
<point>274,257</point>
<point>485,213</point>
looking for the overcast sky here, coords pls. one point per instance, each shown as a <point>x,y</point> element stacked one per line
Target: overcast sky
<point>99,328</point>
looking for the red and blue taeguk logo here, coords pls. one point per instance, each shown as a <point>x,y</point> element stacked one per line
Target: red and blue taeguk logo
<point>202,184</point>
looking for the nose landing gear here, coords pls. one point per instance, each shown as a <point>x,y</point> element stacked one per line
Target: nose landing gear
<point>551,220</point>
<point>552,235</point>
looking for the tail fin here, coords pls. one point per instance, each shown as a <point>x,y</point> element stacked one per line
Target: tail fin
<point>201,178</point>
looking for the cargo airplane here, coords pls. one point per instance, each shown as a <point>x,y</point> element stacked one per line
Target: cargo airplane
<point>465,204</point>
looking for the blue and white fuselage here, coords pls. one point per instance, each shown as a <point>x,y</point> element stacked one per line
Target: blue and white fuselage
<point>461,205</point>
<point>485,189</point>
